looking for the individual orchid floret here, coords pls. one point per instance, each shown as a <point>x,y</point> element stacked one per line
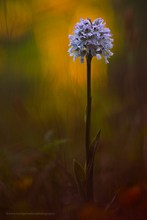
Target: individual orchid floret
<point>91,38</point>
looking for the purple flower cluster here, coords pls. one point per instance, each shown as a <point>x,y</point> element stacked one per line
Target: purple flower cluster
<point>91,38</point>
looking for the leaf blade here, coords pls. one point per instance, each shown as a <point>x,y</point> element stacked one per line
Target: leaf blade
<point>80,177</point>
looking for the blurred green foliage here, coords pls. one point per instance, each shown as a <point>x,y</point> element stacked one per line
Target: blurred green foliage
<point>42,100</point>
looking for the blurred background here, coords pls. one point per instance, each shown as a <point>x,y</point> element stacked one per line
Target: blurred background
<point>42,103</point>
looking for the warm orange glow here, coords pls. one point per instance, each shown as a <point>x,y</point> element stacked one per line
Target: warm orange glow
<point>43,109</point>
<point>52,39</point>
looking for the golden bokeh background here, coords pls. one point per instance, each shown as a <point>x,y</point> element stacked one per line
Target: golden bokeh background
<point>43,98</point>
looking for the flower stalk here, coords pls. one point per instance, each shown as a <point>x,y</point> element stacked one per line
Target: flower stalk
<point>89,173</point>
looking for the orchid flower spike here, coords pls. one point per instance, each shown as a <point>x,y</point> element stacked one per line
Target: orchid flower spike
<point>91,38</point>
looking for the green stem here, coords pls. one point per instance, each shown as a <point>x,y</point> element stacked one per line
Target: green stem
<point>89,173</point>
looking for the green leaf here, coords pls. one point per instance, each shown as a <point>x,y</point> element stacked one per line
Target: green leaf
<point>80,178</point>
<point>92,151</point>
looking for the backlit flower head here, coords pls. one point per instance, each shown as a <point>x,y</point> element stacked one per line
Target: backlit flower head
<point>91,38</point>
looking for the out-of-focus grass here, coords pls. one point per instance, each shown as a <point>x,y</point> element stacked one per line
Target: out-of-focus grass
<point>42,92</point>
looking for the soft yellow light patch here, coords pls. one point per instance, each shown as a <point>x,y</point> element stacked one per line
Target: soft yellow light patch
<point>15,19</point>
